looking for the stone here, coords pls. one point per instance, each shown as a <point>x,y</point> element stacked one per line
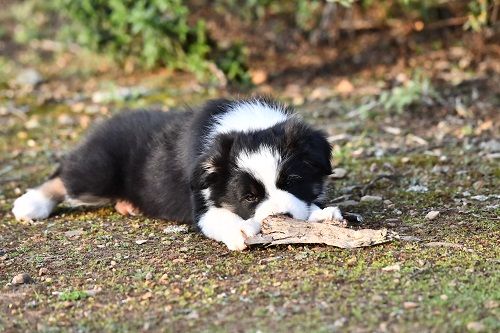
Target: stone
<point>432,215</point>
<point>410,305</point>
<point>371,198</point>
<point>491,146</point>
<point>338,173</point>
<point>392,268</point>
<point>29,77</point>
<point>475,326</point>
<point>22,278</point>
<point>418,189</point>
<point>347,203</point>
<point>73,233</point>
<point>43,271</point>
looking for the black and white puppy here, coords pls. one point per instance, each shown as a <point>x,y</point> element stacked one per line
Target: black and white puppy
<point>225,167</point>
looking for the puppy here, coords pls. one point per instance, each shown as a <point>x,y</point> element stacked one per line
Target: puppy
<point>224,167</point>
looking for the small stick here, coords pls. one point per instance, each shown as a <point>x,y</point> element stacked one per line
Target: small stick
<point>285,230</point>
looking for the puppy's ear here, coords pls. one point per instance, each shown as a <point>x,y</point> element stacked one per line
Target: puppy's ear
<point>318,152</point>
<point>312,144</point>
<point>213,162</point>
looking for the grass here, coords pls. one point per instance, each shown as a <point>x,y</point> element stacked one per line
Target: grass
<point>103,281</point>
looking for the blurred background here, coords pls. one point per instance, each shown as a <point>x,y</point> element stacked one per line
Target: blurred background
<point>422,73</point>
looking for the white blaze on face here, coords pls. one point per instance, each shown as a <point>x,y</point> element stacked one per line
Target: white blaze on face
<point>264,165</point>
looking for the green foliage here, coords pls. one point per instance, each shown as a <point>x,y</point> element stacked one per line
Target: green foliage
<point>418,89</point>
<point>154,32</point>
<point>478,15</point>
<point>232,62</point>
<point>74,295</point>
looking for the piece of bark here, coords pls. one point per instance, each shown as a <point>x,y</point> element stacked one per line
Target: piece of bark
<point>285,230</point>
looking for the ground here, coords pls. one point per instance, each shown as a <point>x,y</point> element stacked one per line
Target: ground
<point>430,122</point>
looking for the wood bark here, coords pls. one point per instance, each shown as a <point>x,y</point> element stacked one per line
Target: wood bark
<point>285,230</point>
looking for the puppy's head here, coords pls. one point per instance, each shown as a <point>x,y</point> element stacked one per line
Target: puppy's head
<point>280,170</point>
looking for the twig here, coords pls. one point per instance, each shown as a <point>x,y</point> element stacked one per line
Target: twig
<point>285,230</point>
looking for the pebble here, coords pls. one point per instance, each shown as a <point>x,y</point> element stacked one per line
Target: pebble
<point>174,229</point>
<point>491,304</point>
<point>73,233</point>
<point>418,189</point>
<point>347,203</point>
<point>338,173</point>
<point>392,268</point>
<point>149,276</point>
<point>29,77</point>
<point>141,241</point>
<point>480,197</point>
<point>22,278</point>
<point>371,198</point>
<point>432,215</point>
<point>475,326</point>
<point>491,146</point>
<point>410,305</point>
<point>340,322</point>
<point>43,271</point>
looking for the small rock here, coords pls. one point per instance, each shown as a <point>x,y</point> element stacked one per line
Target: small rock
<point>338,173</point>
<point>392,130</point>
<point>320,94</point>
<point>22,278</point>
<point>258,76</point>
<point>43,271</point>
<point>347,203</point>
<point>491,304</point>
<point>432,215</point>
<point>491,146</point>
<point>480,197</point>
<point>141,241</point>
<point>149,276</point>
<point>174,229</point>
<point>340,322</point>
<point>371,198</point>
<point>344,87</point>
<point>410,239</point>
<point>410,305</point>
<point>29,77</point>
<point>444,244</point>
<point>73,233</point>
<point>475,326</point>
<point>339,138</point>
<point>444,297</point>
<point>392,268</point>
<point>193,315</point>
<point>440,169</point>
<point>418,189</point>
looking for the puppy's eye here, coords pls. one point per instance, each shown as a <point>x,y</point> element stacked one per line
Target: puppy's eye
<point>250,197</point>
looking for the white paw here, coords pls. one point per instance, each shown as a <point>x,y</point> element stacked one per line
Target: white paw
<point>224,226</point>
<point>328,213</point>
<point>234,239</point>
<point>235,236</point>
<point>33,205</point>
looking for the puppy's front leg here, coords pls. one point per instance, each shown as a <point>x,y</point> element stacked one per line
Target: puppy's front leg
<point>224,226</point>
<point>328,213</point>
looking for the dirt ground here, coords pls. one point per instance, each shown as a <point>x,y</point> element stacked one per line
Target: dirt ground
<point>423,113</point>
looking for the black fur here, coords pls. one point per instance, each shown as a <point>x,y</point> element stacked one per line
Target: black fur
<point>158,162</point>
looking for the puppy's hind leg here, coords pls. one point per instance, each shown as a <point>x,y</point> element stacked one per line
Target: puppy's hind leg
<point>38,203</point>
